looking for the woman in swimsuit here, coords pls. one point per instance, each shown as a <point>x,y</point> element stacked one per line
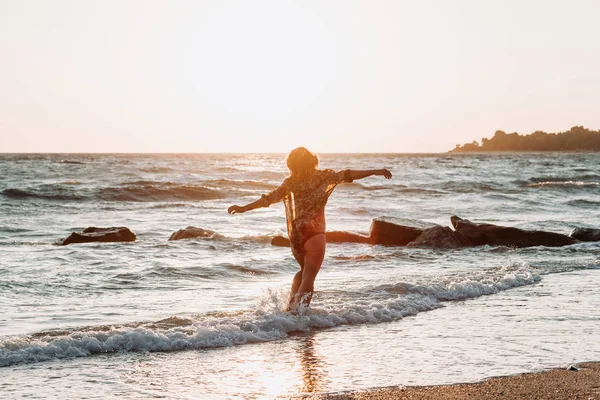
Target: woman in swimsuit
<point>305,193</point>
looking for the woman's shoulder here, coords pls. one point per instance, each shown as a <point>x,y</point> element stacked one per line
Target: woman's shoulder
<point>324,172</point>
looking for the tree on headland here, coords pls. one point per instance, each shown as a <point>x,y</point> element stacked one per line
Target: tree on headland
<point>577,138</point>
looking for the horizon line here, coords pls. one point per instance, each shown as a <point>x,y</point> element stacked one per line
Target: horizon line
<point>215,153</point>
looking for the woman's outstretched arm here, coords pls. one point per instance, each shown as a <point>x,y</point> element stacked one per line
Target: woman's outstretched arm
<point>265,200</point>
<point>360,174</point>
<point>262,202</point>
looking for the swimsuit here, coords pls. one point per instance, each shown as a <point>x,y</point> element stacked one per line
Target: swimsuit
<point>305,202</point>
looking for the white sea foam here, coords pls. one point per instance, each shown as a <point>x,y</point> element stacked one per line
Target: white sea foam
<point>563,184</point>
<point>266,322</point>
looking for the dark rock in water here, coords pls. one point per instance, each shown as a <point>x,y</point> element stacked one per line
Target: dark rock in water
<point>440,237</point>
<point>346,237</point>
<point>191,232</point>
<point>482,234</point>
<point>332,237</point>
<point>409,222</point>
<point>281,241</point>
<point>586,234</point>
<point>572,368</point>
<point>388,231</point>
<point>93,234</point>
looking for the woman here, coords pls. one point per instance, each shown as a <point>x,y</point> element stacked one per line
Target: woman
<point>305,193</point>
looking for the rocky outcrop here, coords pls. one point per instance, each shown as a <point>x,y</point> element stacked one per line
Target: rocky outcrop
<point>394,232</point>
<point>93,234</point>
<point>414,233</point>
<point>586,234</point>
<point>332,237</point>
<point>440,237</point>
<point>385,231</point>
<point>488,234</point>
<point>280,241</point>
<point>346,237</point>
<point>191,232</point>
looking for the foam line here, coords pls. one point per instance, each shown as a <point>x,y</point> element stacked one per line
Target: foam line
<point>381,304</point>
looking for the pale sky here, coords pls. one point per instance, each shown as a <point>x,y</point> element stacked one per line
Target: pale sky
<point>267,76</point>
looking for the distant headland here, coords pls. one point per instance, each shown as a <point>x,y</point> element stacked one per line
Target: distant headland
<point>577,138</point>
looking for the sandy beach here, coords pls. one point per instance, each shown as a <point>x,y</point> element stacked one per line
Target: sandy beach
<point>583,383</point>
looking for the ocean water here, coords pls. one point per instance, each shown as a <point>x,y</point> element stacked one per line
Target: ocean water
<point>202,318</point>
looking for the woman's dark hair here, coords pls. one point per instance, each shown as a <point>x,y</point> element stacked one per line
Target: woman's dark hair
<point>301,162</point>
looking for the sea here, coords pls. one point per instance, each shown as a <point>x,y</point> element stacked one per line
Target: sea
<point>204,318</point>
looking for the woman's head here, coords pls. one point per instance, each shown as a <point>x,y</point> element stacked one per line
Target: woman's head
<point>302,162</point>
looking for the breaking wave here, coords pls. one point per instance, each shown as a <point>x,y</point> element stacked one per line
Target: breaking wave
<point>266,323</point>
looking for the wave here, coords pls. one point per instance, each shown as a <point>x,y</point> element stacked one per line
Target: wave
<point>269,175</point>
<point>164,272</point>
<point>369,187</point>
<point>361,257</point>
<point>169,205</point>
<point>12,229</point>
<point>469,187</point>
<point>159,192</point>
<point>558,179</point>
<point>246,270</point>
<point>194,273</point>
<point>156,169</point>
<point>228,169</point>
<point>564,184</point>
<point>142,191</point>
<point>20,194</point>
<point>265,239</point>
<point>583,203</point>
<point>393,188</point>
<point>574,181</point>
<point>420,191</point>
<point>240,184</point>
<point>71,162</point>
<point>380,304</point>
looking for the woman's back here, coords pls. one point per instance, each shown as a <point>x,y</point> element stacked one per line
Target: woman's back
<point>305,197</point>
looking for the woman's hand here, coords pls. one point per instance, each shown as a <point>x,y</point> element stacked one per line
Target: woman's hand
<point>385,172</point>
<point>236,210</point>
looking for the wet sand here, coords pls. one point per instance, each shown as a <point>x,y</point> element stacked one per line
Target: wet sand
<point>554,384</point>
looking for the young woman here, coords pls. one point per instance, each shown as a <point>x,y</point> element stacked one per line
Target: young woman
<point>305,193</point>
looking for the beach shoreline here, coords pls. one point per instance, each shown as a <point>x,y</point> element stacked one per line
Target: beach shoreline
<point>564,383</point>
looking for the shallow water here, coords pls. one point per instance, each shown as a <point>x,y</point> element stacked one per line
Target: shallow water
<point>201,317</point>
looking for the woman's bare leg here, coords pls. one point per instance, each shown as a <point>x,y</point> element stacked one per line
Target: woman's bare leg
<point>295,285</point>
<point>313,258</point>
<point>297,278</point>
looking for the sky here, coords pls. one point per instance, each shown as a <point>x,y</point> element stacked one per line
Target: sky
<point>267,76</point>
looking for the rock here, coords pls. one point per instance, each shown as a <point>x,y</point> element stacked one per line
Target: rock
<point>281,241</point>
<point>482,234</point>
<point>440,237</point>
<point>572,368</point>
<point>346,237</point>
<point>389,231</point>
<point>93,234</point>
<point>191,232</point>
<point>586,234</point>
<point>332,237</point>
